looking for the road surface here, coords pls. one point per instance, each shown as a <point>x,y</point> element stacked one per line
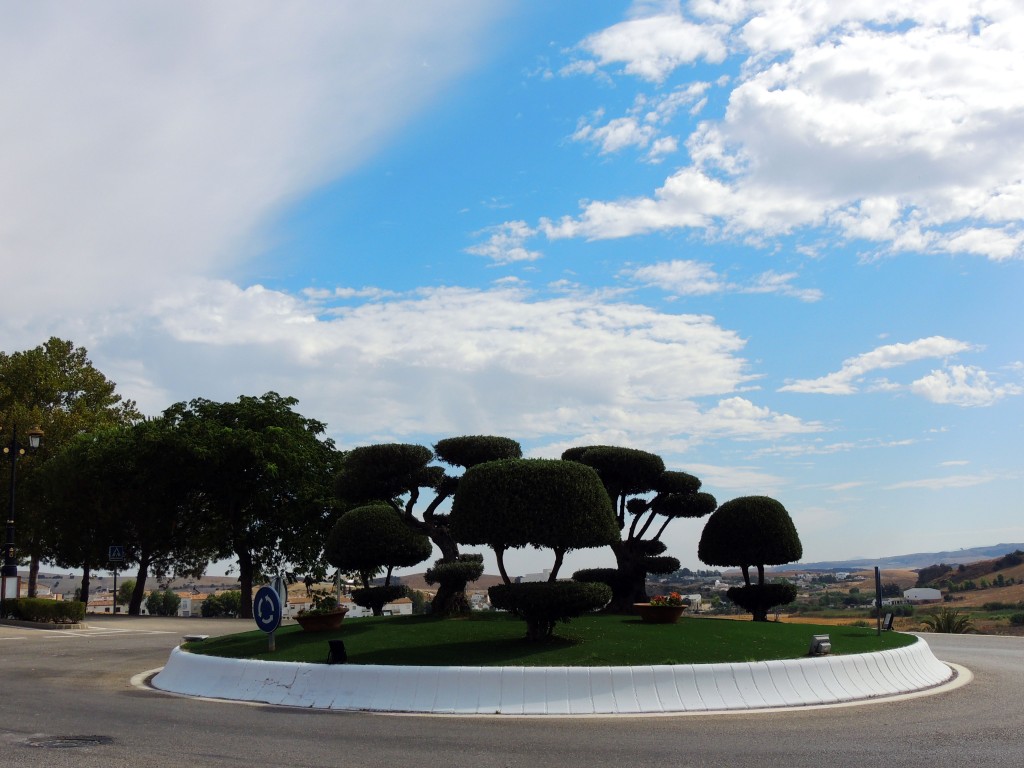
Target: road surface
<point>66,700</point>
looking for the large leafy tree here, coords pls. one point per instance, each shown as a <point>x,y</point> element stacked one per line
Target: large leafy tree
<point>137,482</point>
<point>752,531</point>
<point>56,387</point>
<point>646,498</point>
<point>264,479</point>
<point>397,474</point>
<point>80,489</point>
<point>517,503</point>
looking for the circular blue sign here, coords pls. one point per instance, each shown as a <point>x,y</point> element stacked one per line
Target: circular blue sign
<point>266,609</point>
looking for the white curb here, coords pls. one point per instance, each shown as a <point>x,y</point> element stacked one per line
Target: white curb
<point>558,690</point>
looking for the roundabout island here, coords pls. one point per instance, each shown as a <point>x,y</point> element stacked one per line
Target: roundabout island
<point>518,690</point>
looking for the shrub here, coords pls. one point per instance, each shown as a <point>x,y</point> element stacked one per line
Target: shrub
<point>758,599</point>
<point>1017,620</point>
<point>996,605</point>
<point>225,604</point>
<point>375,598</point>
<point>164,603</point>
<point>543,604</point>
<point>46,611</point>
<point>597,576</point>
<point>947,620</point>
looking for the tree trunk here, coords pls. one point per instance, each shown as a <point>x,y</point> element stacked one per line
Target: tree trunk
<point>450,597</point>
<point>33,576</point>
<point>84,596</point>
<point>135,604</point>
<point>631,581</point>
<point>245,582</point>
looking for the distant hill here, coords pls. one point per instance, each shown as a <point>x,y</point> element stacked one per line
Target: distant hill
<point>913,561</point>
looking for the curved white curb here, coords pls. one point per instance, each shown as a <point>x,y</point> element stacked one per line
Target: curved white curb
<point>557,690</point>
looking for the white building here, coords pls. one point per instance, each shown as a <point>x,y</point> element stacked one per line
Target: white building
<point>923,595</point>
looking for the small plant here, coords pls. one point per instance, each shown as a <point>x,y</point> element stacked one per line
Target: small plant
<point>1017,620</point>
<point>323,602</point>
<point>671,600</point>
<point>947,620</point>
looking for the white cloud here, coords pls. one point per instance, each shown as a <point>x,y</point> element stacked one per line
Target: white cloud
<point>145,141</point>
<point>963,385</point>
<point>895,122</point>
<point>642,127</point>
<point>845,381</point>
<point>680,277</point>
<point>942,483</point>
<point>694,278</point>
<point>653,46</point>
<point>455,361</point>
<point>506,243</point>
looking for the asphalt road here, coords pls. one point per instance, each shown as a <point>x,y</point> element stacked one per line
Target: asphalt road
<point>66,700</point>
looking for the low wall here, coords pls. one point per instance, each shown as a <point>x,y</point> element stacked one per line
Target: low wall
<point>557,690</point>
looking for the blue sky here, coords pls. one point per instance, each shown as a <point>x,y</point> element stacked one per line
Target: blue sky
<point>778,243</point>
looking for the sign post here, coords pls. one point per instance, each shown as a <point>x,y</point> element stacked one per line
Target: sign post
<point>266,610</point>
<point>115,554</point>
<point>878,599</point>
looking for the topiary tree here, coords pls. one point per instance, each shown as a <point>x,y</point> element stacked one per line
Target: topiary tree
<point>370,538</point>
<point>516,503</point>
<point>752,531</point>
<point>645,498</point>
<point>396,473</point>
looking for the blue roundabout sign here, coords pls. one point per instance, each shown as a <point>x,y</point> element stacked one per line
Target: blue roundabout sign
<point>266,609</point>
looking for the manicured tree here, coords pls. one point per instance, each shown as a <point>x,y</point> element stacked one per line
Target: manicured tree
<point>395,473</point>
<point>517,503</point>
<point>646,498</point>
<point>373,537</point>
<point>752,531</point>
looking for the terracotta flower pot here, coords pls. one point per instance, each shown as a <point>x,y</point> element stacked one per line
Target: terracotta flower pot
<point>321,622</point>
<point>659,614</point>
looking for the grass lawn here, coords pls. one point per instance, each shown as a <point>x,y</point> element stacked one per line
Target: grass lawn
<point>497,639</point>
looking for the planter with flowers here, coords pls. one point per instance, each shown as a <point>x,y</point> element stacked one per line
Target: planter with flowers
<point>662,609</point>
<point>325,614</point>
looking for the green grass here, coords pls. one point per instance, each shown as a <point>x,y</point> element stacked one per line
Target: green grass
<point>496,639</point>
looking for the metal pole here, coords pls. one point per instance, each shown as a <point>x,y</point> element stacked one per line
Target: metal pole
<point>10,563</point>
<point>878,600</point>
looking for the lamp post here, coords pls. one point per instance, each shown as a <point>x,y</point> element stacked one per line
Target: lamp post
<point>14,451</point>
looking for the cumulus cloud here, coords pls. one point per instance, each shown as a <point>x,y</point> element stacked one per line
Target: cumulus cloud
<point>894,122</point>
<point>505,243</point>
<point>651,47</point>
<point>642,127</point>
<point>458,360</point>
<point>963,385</point>
<point>848,378</point>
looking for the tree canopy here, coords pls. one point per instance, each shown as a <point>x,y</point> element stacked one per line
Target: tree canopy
<point>56,387</point>
<point>264,478</point>
<point>397,473</point>
<point>514,503</point>
<point>646,498</point>
<point>752,531</point>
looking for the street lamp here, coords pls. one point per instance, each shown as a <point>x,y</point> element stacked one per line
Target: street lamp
<point>15,450</point>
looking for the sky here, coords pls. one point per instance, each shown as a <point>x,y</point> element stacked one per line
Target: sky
<point>777,242</point>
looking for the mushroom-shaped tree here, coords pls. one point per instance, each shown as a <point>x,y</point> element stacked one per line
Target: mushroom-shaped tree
<point>516,503</point>
<point>368,539</point>
<point>397,473</point>
<point>752,531</point>
<point>645,498</point>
